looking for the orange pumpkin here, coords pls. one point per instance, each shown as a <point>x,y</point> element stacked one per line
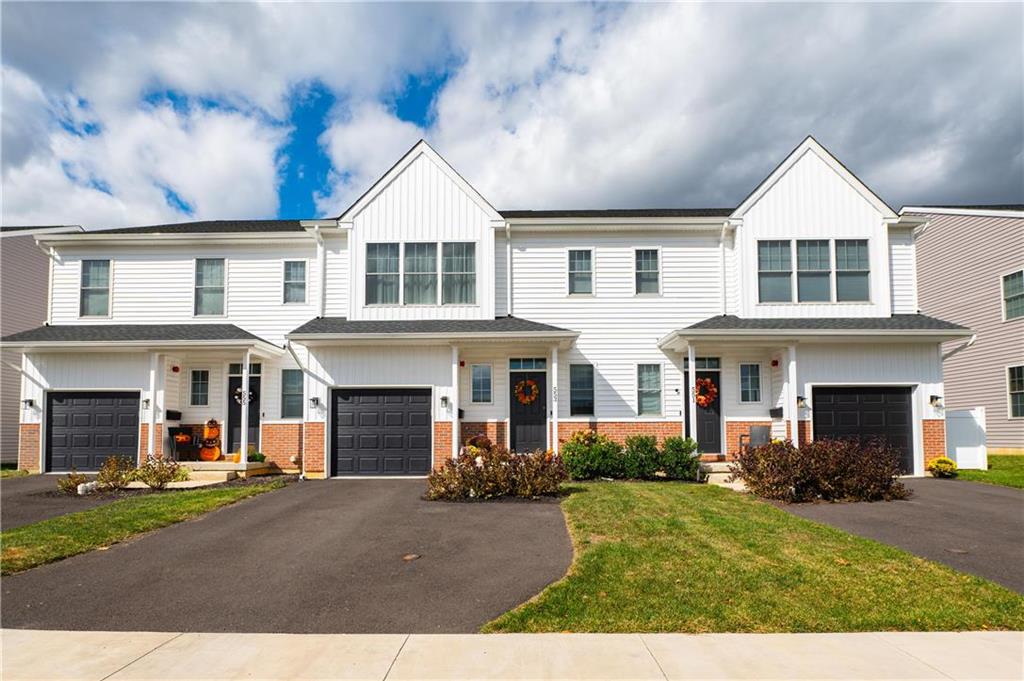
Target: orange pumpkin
<point>211,431</point>
<point>209,453</point>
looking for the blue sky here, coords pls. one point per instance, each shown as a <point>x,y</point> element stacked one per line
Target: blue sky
<point>143,113</point>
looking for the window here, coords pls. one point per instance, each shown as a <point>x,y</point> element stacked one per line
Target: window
<point>647,271</point>
<point>381,274</point>
<point>1016,381</point>
<point>813,271</point>
<point>480,375</point>
<point>852,270</point>
<point>750,382</point>
<point>648,383</point>
<point>95,293</point>
<point>774,271</point>
<point>581,390</point>
<point>527,364</point>
<point>291,393</point>
<point>200,388</point>
<point>294,281</point>
<point>420,274</point>
<point>1013,295</point>
<point>581,272</point>
<point>235,369</point>
<point>458,274</point>
<point>708,363</point>
<point>209,286</point>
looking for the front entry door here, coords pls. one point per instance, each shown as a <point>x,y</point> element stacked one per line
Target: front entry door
<point>529,421</point>
<point>709,418</point>
<point>235,413</point>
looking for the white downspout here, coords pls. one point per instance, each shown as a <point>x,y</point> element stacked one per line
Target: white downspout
<point>508,269</point>
<point>793,409</point>
<point>721,255</point>
<point>151,435</point>
<point>244,440</point>
<point>554,399</point>
<point>959,348</point>
<point>456,435</point>
<point>321,259</point>
<point>691,400</point>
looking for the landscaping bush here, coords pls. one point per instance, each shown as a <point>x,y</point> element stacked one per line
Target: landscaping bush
<point>588,455</point>
<point>640,457</point>
<point>69,484</point>
<point>679,458</point>
<point>831,470</point>
<point>943,467</point>
<point>157,471</point>
<point>115,473</point>
<point>182,474</point>
<point>257,457</point>
<point>487,473</point>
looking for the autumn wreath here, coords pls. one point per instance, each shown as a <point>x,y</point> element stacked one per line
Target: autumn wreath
<point>526,391</point>
<point>705,391</point>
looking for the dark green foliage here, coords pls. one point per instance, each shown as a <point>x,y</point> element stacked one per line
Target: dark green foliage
<point>640,458</point>
<point>588,455</point>
<point>679,458</point>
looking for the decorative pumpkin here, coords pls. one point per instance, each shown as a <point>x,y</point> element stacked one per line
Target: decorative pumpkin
<point>211,431</point>
<point>182,438</point>
<point>704,392</point>
<point>209,453</point>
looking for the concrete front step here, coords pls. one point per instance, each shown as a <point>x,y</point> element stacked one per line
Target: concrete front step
<point>212,476</point>
<point>709,467</point>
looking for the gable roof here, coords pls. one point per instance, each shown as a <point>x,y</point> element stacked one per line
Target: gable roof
<point>421,148</point>
<point>811,145</point>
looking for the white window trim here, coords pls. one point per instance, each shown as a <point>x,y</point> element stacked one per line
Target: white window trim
<point>593,274</point>
<point>490,368</point>
<point>1002,294</point>
<point>760,381</point>
<point>593,390</point>
<point>831,272</point>
<point>661,268</point>
<point>440,275</point>
<point>794,272</point>
<point>1009,398</point>
<point>110,288</point>
<point>305,282</point>
<point>661,390</point>
<point>437,274</point>
<point>280,396</point>
<point>209,385</point>
<point>195,272</point>
<point>835,271</point>
<point>400,273</point>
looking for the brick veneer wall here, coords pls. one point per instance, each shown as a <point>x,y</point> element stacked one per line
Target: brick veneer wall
<point>620,430</point>
<point>158,441</point>
<point>28,447</point>
<point>934,435</point>
<point>733,431</point>
<point>442,442</point>
<point>279,442</point>
<point>495,431</point>
<point>313,449</point>
<point>803,427</point>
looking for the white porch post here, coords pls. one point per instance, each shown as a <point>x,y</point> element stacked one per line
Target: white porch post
<point>456,436</point>
<point>554,399</point>
<point>244,441</point>
<point>691,402</point>
<point>792,411</point>
<point>154,359</point>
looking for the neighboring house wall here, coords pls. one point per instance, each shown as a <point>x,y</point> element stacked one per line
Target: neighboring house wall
<point>960,263</point>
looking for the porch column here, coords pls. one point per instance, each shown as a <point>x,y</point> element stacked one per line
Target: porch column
<point>554,399</point>
<point>456,436</point>
<point>244,441</point>
<point>792,391</point>
<point>154,359</point>
<point>691,402</point>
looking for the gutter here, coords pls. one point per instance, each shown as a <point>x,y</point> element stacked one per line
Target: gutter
<point>262,345</point>
<point>959,348</point>
<point>803,334</point>
<point>721,255</point>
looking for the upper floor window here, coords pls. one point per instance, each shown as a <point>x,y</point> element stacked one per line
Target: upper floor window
<point>648,389</point>
<point>480,377</point>
<point>581,390</point>
<point>381,274</point>
<point>647,274</point>
<point>209,298</point>
<point>1016,387</point>
<point>1013,295</point>
<point>291,393</point>
<point>581,272</point>
<point>95,292</point>
<point>774,272</point>
<point>813,271</point>
<point>420,274</point>
<point>199,390</point>
<point>852,270</point>
<point>294,281</point>
<point>458,275</point>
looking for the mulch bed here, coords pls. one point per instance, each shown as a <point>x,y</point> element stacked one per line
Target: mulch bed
<point>116,494</point>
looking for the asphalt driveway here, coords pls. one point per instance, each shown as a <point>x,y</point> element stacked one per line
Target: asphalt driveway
<point>314,557</point>
<point>972,527</point>
<point>28,499</point>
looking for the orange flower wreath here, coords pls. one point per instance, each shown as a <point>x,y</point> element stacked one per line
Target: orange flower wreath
<point>527,391</point>
<point>705,392</point>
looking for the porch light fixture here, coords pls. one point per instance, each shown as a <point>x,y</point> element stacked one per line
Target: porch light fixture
<point>145,403</point>
<point>314,402</point>
<point>935,401</point>
<point>28,403</point>
<point>444,401</point>
<point>801,401</point>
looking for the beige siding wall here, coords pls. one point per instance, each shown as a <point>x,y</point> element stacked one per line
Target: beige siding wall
<point>960,263</point>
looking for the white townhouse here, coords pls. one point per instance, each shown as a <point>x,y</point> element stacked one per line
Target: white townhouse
<point>378,342</point>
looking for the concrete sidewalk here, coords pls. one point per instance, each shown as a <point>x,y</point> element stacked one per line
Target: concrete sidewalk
<point>91,655</point>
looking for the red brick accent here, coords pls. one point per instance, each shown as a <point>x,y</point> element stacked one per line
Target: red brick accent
<point>28,447</point>
<point>313,448</point>
<point>279,442</point>
<point>158,441</point>
<point>495,431</point>
<point>442,442</point>
<point>802,427</point>
<point>934,435</point>
<point>620,430</point>
<point>733,431</point>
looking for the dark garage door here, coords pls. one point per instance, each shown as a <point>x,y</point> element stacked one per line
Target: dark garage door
<point>381,431</point>
<point>84,428</point>
<point>866,412</point>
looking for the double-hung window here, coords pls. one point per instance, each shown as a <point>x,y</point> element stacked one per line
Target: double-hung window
<point>852,270</point>
<point>648,384</point>
<point>581,389</point>
<point>581,272</point>
<point>1015,380</point>
<point>291,393</point>
<point>199,390</point>
<point>813,271</point>
<point>294,281</point>
<point>209,297</point>
<point>750,382</point>
<point>94,300</point>
<point>648,276</point>
<point>382,274</point>
<point>420,286</point>
<point>458,273</point>
<point>774,272</point>
<point>480,378</point>
<point>1013,295</point>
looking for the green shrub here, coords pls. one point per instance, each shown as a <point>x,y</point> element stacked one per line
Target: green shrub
<point>679,458</point>
<point>943,467</point>
<point>588,455</point>
<point>640,457</point>
<point>69,484</point>
<point>258,457</point>
<point>157,471</point>
<point>182,474</point>
<point>480,473</point>
<point>115,473</point>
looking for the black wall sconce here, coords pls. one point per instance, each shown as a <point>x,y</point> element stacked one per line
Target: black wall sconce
<point>314,402</point>
<point>29,403</point>
<point>935,401</point>
<point>801,401</point>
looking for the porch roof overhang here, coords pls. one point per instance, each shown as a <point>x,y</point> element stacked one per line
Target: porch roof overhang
<point>107,337</point>
<point>914,328</point>
<point>342,331</point>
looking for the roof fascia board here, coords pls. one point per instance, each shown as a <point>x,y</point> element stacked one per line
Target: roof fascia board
<point>977,212</point>
<point>887,335</point>
<point>257,345</point>
<point>66,229</point>
<point>503,336</point>
<point>599,224</point>
<point>86,237</point>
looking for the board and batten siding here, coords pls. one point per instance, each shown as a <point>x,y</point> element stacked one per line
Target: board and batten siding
<point>961,260</point>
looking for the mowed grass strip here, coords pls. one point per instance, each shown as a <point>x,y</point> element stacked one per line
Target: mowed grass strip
<point>675,557</point>
<point>57,538</point>
<point>1004,469</point>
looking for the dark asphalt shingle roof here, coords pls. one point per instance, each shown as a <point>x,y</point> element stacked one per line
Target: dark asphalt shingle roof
<point>210,227</point>
<point>990,206</point>
<point>622,213</point>
<point>341,325</point>
<point>897,322</point>
<point>112,333</point>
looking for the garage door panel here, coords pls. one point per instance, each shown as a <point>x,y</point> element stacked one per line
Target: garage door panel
<point>419,419</point>
<point>873,419</point>
<point>345,464</point>
<point>369,441</point>
<point>85,428</point>
<point>419,464</point>
<point>345,419</point>
<point>391,427</point>
<point>866,412</point>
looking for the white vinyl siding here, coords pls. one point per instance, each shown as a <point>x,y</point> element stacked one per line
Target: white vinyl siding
<point>903,271</point>
<point>95,291</point>
<point>209,287</point>
<point>294,281</point>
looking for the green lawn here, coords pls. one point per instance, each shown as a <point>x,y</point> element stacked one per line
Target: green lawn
<point>696,558</point>
<point>57,538</point>
<point>11,471</point>
<point>1005,469</point>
